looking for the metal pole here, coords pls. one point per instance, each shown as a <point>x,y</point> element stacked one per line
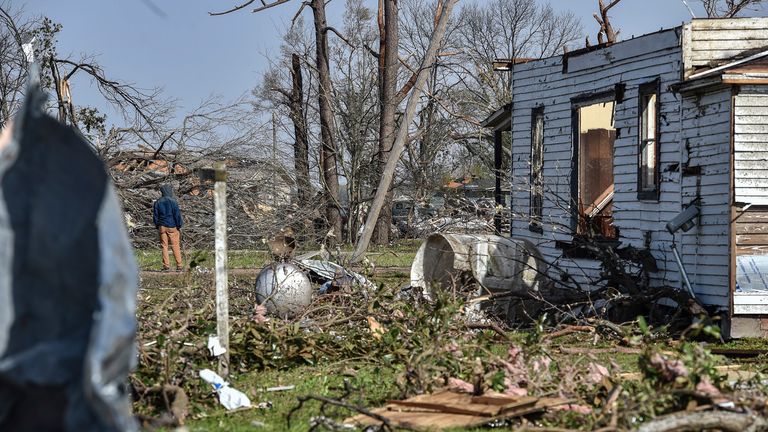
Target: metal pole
<point>682,270</point>
<point>222,291</point>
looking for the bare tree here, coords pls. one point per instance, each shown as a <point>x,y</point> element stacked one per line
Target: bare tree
<point>729,8</point>
<point>140,109</point>
<point>328,159</point>
<point>464,88</point>
<point>301,138</point>
<point>606,34</point>
<point>430,57</point>
<point>356,105</point>
<point>388,70</point>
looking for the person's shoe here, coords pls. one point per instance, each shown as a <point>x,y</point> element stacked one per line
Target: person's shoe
<point>166,269</point>
<point>180,269</point>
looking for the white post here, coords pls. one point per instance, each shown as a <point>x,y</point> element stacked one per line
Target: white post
<point>222,291</point>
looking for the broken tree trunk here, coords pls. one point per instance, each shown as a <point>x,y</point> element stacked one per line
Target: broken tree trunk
<point>328,152</point>
<point>301,143</point>
<point>388,68</point>
<point>402,133</point>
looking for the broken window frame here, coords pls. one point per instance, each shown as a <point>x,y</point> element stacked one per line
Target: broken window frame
<point>536,203</point>
<point>645,91</point>
<point>577,103</point>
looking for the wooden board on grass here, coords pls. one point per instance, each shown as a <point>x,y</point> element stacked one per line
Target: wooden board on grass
<point>450,409</point>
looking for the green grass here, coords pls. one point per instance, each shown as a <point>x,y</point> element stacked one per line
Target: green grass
<point>237,259</point>
<point>376,385</point>
<point>400,255</point>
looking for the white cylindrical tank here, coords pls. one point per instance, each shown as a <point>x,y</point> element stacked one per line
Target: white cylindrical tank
<point>284,289</point>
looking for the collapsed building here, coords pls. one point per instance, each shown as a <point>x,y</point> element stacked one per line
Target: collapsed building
<point>653,142</point>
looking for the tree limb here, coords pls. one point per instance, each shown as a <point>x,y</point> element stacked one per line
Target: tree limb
<point>696,421</point>
<point>234,9</point>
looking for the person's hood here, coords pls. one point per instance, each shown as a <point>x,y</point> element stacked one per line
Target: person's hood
<point>167,191</point>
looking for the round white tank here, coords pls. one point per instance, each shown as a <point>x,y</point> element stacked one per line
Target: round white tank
<point>284,289</point>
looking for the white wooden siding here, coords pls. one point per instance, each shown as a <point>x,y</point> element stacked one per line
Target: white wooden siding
<point>706,143</point>
<point>751,146</point>
<point>710,42</point>
<point>542,83</point>
<point>694,131</point>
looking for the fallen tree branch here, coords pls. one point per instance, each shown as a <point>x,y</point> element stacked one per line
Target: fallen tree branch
<point>721,420</point>
<point>492,326</point>
<point>569,330</point>
<point>622,350</point>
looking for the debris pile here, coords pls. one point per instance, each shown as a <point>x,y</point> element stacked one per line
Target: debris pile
<point>459,215</point>
<point>531,378</point>
<point>257,208</point>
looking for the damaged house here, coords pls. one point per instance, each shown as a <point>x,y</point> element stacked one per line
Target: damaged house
<point>613,142</point>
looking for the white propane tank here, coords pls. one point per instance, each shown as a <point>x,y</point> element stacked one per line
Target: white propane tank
<point>284,289</point>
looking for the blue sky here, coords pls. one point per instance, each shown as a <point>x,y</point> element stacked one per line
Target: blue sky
<point>175,45</point>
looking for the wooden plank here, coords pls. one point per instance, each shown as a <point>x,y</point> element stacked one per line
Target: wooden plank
<point>751,142</point>
<point>752,239</point>
<point>751,250</point>
<point>742,110</point>
<point>752,119</point>
<point>751,228</point>
<point>751,100</point>
<point>754,90</point>
<point>750,129</point>
<point>751,183</point>
<point>753,164</point>
<point>729,24</point>
<point>731,80</point>
<point>726,45</point>
<point>752,216</point>
<point>426,412</point>
<point>721,34</point>
<point>705,57</point>
<point>756,174</point>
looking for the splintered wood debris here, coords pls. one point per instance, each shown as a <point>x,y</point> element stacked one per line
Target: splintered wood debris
<point>450,409</point>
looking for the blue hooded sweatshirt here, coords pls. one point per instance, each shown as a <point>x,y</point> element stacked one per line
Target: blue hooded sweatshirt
<point>166,210</point>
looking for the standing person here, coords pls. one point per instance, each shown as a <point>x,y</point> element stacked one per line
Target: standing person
<point>167,218</point>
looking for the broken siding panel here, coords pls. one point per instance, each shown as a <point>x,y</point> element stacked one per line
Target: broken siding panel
<point>717,41</point>
<point>546,89</point>
<point>751,146</point>
<point>706,135</point>
<point>626,50</point>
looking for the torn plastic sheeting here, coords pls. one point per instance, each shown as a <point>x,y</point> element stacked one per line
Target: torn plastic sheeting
<point>331,271</point>
<point>67,337</point>
<point>230,398</point>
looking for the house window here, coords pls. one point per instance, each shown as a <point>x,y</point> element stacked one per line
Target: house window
<point>537,168</point>
<point>648,150</point>
<point>593,169</point>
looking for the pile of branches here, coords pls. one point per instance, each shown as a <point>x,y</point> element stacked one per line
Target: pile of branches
<point>259,198</point>
<point>431,344</point>
<point>459,215</point>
